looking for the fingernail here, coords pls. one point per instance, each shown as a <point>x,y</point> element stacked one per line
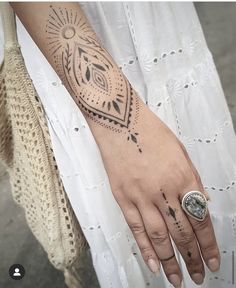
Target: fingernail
<point>154,267</point>
<point>213,264</point>
<point>197,278</point>
<point>175,280</point>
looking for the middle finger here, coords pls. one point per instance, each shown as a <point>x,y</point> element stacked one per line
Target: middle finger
<point>183,235</point>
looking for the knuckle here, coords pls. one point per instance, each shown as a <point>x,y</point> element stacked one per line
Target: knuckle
<point>186,239</point>
<point>146,252</point>
<point>137,228</point>
<point>118,194</point>
<point>194,262</point>
<point>171,267</point>
<point>210,248</point>
<point>187,176</point>
<point>195,266</point>
<point>200,225</point>
<point>158,237</point>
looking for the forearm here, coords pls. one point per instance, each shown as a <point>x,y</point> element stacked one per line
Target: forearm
<point>97,85</point>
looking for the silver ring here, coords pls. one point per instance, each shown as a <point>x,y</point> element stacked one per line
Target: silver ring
<point>194,203</point>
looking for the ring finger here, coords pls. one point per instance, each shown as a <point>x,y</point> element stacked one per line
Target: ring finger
<point>208,245</point>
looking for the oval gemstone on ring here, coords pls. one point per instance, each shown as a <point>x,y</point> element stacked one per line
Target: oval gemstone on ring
<point>194,204</point>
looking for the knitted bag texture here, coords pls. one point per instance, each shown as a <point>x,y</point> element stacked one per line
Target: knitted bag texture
<point>26,150</point>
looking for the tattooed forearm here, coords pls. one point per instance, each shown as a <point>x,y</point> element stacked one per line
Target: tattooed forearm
<point>89,73</point>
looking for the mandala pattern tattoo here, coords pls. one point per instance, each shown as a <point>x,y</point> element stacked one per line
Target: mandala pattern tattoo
<point>89,73</point>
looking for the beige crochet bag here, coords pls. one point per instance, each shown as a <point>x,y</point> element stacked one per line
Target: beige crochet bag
<point>26,150</point>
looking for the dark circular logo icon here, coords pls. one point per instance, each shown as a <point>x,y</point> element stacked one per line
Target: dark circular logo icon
<point>17,271</point>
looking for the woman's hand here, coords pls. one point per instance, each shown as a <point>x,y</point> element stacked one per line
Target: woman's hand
<point>148,187</point>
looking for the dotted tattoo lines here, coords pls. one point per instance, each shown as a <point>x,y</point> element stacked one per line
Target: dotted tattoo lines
<point>105,94</point>
<point>172,212</point>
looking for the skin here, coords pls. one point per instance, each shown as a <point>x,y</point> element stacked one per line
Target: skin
<point>148,167</point>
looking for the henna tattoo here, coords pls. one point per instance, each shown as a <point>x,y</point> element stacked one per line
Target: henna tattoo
<point>177,223</point>
<point>164,196</point>
<point>88,71</point>
<point>172,212</point>
<point>179,226</point>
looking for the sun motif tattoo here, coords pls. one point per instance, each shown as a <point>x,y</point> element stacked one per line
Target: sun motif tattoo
<point>89,73</point>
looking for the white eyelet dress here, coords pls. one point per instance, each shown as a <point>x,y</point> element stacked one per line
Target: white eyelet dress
<point>162,51</point>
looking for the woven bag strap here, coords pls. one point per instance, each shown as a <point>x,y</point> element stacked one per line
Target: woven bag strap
<point>9,25</point>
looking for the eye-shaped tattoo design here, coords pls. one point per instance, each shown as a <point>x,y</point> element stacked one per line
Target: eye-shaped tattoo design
<point>90,74</point>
